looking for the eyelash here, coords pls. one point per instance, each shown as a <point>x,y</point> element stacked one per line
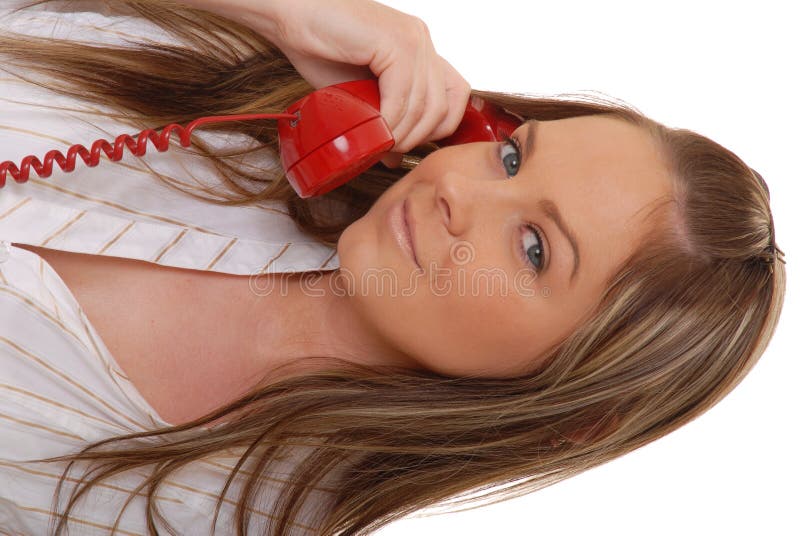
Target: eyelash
<point>515,143</point>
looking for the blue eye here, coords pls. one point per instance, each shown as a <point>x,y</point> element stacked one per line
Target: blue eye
<point>511,155</point>
<point>534,250</point>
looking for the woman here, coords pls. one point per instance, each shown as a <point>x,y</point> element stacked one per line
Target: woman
<point>682,296</point>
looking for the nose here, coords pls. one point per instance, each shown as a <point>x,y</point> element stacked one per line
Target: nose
<point>456,196</point>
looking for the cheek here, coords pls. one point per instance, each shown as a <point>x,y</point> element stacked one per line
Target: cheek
<point>499,336</point>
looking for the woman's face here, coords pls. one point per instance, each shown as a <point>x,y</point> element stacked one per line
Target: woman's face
<point>489,297</point>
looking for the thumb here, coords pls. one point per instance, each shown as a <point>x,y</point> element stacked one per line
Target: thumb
<point>320,72</point>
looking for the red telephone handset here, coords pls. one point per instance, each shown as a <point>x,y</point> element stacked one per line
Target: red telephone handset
<point>340,133</point>
<point>326,138</point>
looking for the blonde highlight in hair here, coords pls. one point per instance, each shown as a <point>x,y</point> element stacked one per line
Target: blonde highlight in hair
<point>681,321</point>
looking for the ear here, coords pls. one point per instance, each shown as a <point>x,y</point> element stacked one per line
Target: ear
<point>587,434</point>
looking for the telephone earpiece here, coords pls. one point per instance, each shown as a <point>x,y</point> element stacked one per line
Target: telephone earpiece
<point>339,132</point>
<point>326,138</point>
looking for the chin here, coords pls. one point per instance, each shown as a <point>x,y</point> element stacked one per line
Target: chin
<point>356,249</point>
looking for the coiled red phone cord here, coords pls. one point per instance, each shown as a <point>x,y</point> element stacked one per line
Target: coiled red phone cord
<point>161,142</point>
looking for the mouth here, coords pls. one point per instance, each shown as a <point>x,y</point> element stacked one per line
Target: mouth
<point>409,230</point>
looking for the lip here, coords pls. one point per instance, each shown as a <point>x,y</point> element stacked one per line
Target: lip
<point>400,230</point>
<point>410,230</point>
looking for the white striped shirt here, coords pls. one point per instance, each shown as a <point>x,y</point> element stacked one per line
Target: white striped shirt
<point>60,388</point>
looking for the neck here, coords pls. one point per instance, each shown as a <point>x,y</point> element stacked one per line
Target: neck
<point>290,316</point>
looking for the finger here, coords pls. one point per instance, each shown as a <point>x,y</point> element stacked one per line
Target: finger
<point>394,67</point>
<point>404,84</point>
<point>393,89</point>
<point>414,101</point>
<point>392,160</point>
<point>414,108</point>
<point>457,96</point>
<point>434,111</point>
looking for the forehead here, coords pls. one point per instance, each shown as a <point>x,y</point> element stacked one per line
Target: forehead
<point>605,175</point>
<point>601,145</point>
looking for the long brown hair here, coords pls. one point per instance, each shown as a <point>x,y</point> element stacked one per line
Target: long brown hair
<point>679,325</point>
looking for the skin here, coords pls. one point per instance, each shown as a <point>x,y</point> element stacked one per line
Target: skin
<point>603,174</point>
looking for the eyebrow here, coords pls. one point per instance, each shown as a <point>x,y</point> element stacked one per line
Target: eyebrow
<point>547,205</point>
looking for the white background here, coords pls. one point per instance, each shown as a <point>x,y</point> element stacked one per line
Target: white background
<point>729,71</point>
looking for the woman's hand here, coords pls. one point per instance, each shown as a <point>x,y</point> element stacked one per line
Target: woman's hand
<point>331,41</point>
